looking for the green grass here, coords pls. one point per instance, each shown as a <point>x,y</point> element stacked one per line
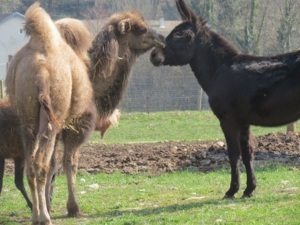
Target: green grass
<point>170,126</point>
<point>173,198</point>
<point>184,197</point>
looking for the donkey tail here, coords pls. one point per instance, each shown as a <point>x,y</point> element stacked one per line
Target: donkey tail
<point>40,27</point>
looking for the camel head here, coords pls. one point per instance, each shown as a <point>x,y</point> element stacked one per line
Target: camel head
<point>132,31</point>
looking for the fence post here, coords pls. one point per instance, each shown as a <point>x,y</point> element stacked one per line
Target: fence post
<point>1,89</point>
<point>200,98</point>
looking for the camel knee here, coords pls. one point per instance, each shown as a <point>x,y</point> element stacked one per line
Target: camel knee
<point>41,172</point>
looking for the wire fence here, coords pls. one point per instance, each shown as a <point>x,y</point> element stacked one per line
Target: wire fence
<point>153,89</point>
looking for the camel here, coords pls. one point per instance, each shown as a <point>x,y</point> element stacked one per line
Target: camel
<point>11,147</point>
<point>123,38</point>
<point>52,93</point>
<point>49,87</point>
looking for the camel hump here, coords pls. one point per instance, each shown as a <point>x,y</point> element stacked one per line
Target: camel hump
<point>76,34</point>
<point>40,27</point>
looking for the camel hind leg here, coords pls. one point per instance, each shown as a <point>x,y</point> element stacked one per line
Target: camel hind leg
<point>2,163</point>
<point>39,150</point>
<point>19,180</point>
<point>73,139</point>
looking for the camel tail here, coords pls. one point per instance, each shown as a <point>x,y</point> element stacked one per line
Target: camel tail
<point>45,102</point>
<point>40,27</point>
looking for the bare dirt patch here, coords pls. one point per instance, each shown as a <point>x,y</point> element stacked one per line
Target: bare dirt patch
<point>172,156</point>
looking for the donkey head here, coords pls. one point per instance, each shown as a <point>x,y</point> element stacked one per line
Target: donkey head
<point>181,41</point>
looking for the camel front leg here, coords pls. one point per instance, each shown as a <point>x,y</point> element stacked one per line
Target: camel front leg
<point>231,133</point>
<point>73,139</point>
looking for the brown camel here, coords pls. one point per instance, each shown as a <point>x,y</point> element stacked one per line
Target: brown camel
<point>53,107</point>
<point>123,38</point>
<point>11,146</point>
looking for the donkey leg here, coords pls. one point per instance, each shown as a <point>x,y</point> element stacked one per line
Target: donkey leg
<point>231,133</point>
<point>2,163</point>
<point>73,139</point>
<point>19,180</point>
<point>246,141</point>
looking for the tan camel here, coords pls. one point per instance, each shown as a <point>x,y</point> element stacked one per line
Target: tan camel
<point>113,49</point>
<point>49,87</point>
<point>11,147</point>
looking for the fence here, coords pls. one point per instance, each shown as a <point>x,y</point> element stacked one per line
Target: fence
<point>153,89</point>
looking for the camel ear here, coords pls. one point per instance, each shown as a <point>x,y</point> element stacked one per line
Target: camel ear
<point>186,13</point>
<point>124,26</point>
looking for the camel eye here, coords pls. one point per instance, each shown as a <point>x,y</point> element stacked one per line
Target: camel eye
<point>142,31</point>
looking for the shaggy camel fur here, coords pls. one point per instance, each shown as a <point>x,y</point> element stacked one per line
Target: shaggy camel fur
<point>122,39</point>
<point>117,31</point>
<point>103,124</point>
<point>49,87</point>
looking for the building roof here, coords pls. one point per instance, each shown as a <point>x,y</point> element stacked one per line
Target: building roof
<point>8,16</point>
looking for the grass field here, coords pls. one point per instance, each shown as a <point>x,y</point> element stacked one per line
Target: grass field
<point>170,126</point>
<point>184,197</point>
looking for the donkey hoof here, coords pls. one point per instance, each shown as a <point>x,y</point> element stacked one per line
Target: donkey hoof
<point>245,195</point>
<point>228,197</point>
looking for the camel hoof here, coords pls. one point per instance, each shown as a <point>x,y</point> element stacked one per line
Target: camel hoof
<point>75,214</point>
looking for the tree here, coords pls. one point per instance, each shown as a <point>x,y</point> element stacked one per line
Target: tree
<point>150,9</point>
<point>289,12</point>
<point>8,6</point>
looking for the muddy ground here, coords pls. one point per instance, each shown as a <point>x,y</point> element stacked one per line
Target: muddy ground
<point>171,156</point>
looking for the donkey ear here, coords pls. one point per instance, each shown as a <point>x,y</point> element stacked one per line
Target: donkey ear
<point>124,26</point>
<point>186,13</point>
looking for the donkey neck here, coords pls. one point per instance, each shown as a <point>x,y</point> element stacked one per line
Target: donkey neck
<point>211,54</point>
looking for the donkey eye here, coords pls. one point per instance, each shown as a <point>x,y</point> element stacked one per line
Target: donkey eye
<point>178,34</point>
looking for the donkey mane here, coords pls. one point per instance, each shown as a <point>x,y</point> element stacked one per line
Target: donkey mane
<point>221,45</point>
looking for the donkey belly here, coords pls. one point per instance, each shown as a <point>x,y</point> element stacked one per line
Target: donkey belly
<point>280,108</point>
